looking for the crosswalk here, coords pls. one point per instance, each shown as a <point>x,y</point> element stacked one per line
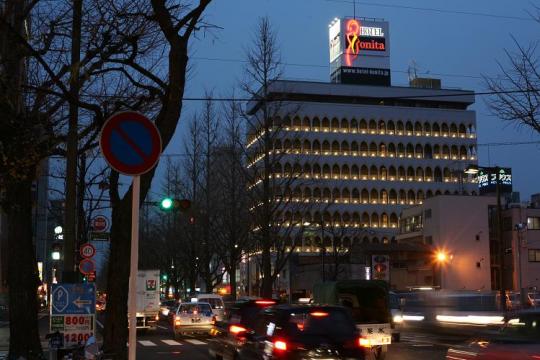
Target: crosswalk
<point>161,342</point>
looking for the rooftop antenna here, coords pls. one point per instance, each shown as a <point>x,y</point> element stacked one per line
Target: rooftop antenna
<point>354,9</point>
<point>412,70</point>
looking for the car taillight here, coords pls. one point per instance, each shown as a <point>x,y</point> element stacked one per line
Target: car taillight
<point>363,342</point>
<point>177,322</point>
<point>318,314</point>
<point>280,345</point>
<point>236,329</point>
<point>157,317</point>
<point>195,312</point>
<point>265,302</point>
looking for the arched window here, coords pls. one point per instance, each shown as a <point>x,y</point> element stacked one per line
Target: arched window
<point>401,150</point>
<point>374,220</point>
<point>393,197</point>
<point>402,197</point>
<point>375,240</point>
<point>418,128</point>
<point>287,122</point>
<point>392,173</point>
<point>453,130</point>
<point>307,170</point>
<point>447,192</point>
<point>435,129</point>
<point>438,192</point>
<point>365,196</point>
<point>373,149</point>
<point>356,219</point>
<point>436,151</point>
<point>345,172</point>
<point>316,171</point>
<point>344,125</point>
<point>420,196</point>
<point>316,124</point>
<point>335,172</point>
<point>391,128</point>
<point>382,127</point>
<point>355,196</point>
<point>373,173</point>
<point>427,128</point>
<point>399,127</point>
<point>445,152</point>
<point>447,175</point>
<point>336,218</point>
<point>363,148</point>
<point>354,126</point>
<point>345,147</point>
<point>454,152</point>
<point>365,219</point>
<point>384,220</point>
<point>317,195</point>
<point>355,172</point>
<point>391,150</point>
<point>297,169</point>
<point>372,126</point>
<point>382,149</point>
<point>345,196</point>
<point>336,195</point>
<point>326,195</point>
<point>428,176</point>
<point>393,220</point>
<point>411,196</point>
<point>429,194</point>
<point>335,147</point>
<point>335,125</point>
<point>401,173</point>
<point>278,170</point>
<point>297,146</point>
<point>316,147</point>
<point>365,240</point>
<point>410,173</point>
<point>374,196</point>
<point>326,171</point>
<point>307,147</point>
<point>384,196</point>
<point>346,219</point>
<point>428,153</point>
<point>287,145</point>
<point>364,172</point>
<point>297,123</point>
<point>419,174</point>
<point>326,147</point>
<point>363,126</point>
<point>410,150</point>
<point>384,173</point>
<point>445,130</point>
<point>419,151</point>
<point>325,124</point>
<point>354,147</point>
<point>462,130</point>
<point>287,169</point>
<point>463,153</point>
<point>277,145</point>
<point>438,174</point>
<point>306,124</point>
<point>409,127</point>
<point>307,194</point>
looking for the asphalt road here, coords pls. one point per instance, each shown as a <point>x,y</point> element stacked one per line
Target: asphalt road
<point>160,344</point>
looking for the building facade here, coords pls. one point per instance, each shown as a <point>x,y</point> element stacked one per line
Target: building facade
<point>454,233</point>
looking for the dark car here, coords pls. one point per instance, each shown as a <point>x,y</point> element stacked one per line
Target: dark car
<point>295,332</point>
<point>229,335</point>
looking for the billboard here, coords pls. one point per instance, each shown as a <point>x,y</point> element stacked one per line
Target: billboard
<point>380,267</point>
<point>359,51</point>
<point>487,180</point>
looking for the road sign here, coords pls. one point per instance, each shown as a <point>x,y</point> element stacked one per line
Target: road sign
<point>100,236</point>
<point>87,266</point>
<point>87,250</point>
<point>100,223</point>
<point>130,143</point>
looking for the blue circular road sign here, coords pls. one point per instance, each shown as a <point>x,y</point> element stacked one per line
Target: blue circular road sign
<point>130,143</point>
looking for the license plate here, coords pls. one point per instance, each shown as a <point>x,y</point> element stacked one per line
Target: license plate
<point>382,340</point>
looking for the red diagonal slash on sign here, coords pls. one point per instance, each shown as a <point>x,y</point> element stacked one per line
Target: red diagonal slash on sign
<point>130,142</point>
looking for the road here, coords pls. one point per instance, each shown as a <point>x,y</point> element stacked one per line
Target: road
<point>160,344</point>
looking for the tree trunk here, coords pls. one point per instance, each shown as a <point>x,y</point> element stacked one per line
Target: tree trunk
<point>266,285</point>
<point>22,273</point>
<point>116,324</point>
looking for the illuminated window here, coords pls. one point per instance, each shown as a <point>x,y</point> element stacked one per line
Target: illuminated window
<point>534,255</point>
<point>533,223</point>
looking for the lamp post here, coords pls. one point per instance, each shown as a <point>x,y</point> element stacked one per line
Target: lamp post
<point>441,258</point>
<point>473,170</point>
<point>520,228</point>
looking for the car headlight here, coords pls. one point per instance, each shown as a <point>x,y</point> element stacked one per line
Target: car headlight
<point>398,319</point>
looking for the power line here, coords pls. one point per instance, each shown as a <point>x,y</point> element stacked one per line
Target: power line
<point>444,11</point>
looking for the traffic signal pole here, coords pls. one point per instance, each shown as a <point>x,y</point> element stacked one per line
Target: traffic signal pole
<point>133,266</point>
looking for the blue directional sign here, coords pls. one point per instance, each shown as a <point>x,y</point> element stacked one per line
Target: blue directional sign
<point>73,299</point>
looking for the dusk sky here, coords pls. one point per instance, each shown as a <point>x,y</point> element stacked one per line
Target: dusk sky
<point>456,41</point>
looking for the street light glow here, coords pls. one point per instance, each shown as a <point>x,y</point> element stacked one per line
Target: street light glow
<point>166,203</point>
<point>55,255</point>
<point>441,256</point>
<point>58,230</point>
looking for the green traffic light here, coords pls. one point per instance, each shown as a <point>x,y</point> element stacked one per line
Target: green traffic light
<point>164,277</point>
<point>167,203</point>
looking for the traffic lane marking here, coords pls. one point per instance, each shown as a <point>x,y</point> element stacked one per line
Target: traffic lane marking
<point>146,343</point>
<point>195,342</point>
<point>163,327</point>
<point>171,342</point>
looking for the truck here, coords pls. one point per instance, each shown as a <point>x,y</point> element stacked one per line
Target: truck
<point>148,299</point>
<point>369,303</point>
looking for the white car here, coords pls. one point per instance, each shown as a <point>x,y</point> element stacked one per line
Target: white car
<point>216,302</point>
<point>193,318</point>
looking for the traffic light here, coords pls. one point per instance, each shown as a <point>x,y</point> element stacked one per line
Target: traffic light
<point>175,204</point>
<point>164,277</point>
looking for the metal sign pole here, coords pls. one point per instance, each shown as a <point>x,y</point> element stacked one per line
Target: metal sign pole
<point>135,192</point>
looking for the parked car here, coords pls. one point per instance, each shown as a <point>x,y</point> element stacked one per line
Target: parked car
<point>518,338</point>
<point>193,318</point>
<point>227,335</point>
<point>295,332</point>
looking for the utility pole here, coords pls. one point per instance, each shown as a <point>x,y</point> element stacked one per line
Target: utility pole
<point>500,241</point>
<point>70,233</point>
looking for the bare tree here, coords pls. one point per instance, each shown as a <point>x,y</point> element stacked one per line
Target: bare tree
<point>267,126</point>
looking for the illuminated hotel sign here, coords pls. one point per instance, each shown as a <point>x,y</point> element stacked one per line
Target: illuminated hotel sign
<point>359,51</point>
<point>487,180</point>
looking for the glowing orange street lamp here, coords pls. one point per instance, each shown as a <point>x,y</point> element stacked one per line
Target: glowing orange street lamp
<point>441,256</point>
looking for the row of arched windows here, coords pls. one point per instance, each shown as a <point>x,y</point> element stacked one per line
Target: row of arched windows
<point>338,219</point>
<point>354,148</point>
<point>360,196</point>
<point>315,243</point>
<point>378,127</point>
<point>355,172</point>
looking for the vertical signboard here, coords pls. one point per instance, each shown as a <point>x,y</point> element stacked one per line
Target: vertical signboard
<point>359,51</point>
<point>487,180</point>
<point>380,267</point>
<point>73,312</point>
